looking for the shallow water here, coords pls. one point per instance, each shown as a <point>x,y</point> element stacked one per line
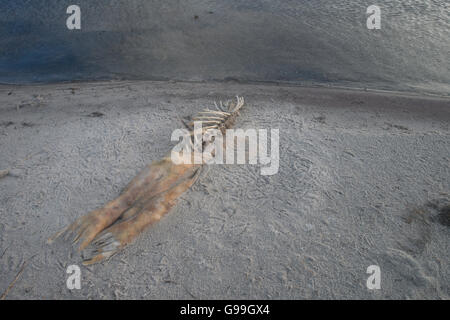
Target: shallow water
<point>299,41</point>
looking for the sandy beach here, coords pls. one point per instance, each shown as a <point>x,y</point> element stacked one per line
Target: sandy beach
<point>364,179</point>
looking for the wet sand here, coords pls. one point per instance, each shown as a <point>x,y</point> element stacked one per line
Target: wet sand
<point>364,180</point>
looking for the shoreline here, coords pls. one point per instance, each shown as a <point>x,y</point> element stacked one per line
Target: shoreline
<point>293,84</point>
